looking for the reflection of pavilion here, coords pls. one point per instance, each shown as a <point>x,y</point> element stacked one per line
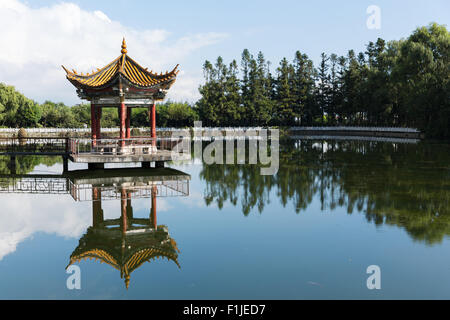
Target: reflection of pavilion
<point>132,183</point>
<point>80,184</point>
<point>126,242</point>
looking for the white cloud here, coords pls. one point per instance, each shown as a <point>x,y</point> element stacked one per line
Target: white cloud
<point>102,16</point>
<point>36,42</point>
<point>22,216</point>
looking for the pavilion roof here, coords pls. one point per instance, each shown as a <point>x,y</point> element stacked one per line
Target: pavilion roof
<point>137,252</point>
<point>126,67</point>
<point>133,262</point>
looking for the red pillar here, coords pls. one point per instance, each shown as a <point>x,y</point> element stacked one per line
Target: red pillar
<point>93,124</point>
<point>129,207</point>
<point>122,115</point>
<point>128,123</point>
<point>153,123</point>
<point>153,210</point>
<point>97,212</point>
<point>153,120</point>
<point>123,206</point>
<point>98,122</point>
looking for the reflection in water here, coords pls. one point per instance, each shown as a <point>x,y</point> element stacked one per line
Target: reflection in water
<point>406,185</point>
<point>402,184</point>
<point>26,164</point>
<point>127,242</point>
<point>124,243</point>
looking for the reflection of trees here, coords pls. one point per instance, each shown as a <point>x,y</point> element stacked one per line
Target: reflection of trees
<point>294,181</point>
<point>224,182</point>
<point>26,164</point>
<point>406,185</point>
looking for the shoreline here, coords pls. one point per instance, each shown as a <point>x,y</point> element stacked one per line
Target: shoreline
<point>388,132</point>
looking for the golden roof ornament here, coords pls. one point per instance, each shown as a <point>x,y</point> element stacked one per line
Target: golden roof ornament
<point>124,46</point>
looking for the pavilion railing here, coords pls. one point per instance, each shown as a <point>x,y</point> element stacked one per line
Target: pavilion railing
<point>129,146</point>
<point>83,192</point>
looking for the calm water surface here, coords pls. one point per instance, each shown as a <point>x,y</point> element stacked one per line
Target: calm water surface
<point>334,208</point>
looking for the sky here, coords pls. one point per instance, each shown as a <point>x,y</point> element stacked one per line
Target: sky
<point>39,36</point>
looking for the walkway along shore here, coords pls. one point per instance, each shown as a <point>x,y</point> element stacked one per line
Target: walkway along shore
<point>391,132</point>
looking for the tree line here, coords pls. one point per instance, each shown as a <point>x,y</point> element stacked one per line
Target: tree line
<point>17,111</point>
<point>397,83</point>
<point>402,83</point>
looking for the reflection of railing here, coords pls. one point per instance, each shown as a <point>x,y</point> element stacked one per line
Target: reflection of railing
<point>166,183</point>
<point>37,185</point>
<point>130,146</point>
<point>174,188</point>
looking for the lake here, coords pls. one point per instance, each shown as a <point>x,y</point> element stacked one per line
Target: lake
<point>334,208</point>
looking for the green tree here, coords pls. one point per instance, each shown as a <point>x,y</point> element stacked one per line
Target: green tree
<point>284,108</point>
<point>233,109</point>
<point>210,100</point>
<point>16,110</point>
<point>81,114</point>
<point>248,67</point>
<point>422,76</point>
<point>303,88</point>
<point>323,87</point>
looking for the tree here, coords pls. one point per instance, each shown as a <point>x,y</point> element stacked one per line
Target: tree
<point>207,105</point>
<point>82,114</point>
<point>172,114</point>
<point>260,88</point>
<point>303,87</point>
<point>16,110</point>
<point>422,75</point>
<point>284,112</point>
<point>28,114</point>
<point>232,108</point>
<point>248,65</point>
<point>57,115</point>
<point>323,87</point>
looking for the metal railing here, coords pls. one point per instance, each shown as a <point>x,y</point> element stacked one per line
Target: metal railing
<point>34,145</point>
<point>80,146</point>
<point>129,146</point>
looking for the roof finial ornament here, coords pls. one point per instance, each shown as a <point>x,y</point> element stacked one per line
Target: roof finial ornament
<point>124,46</point>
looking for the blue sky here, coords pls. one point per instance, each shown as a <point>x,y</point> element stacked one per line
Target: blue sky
<point>277,28</point>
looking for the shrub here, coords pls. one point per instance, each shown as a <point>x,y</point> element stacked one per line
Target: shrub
<point>22,134</point>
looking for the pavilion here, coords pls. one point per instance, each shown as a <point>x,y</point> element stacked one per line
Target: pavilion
<point>122,84</point>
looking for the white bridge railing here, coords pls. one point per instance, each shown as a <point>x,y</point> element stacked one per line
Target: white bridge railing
<point>343,128</point>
